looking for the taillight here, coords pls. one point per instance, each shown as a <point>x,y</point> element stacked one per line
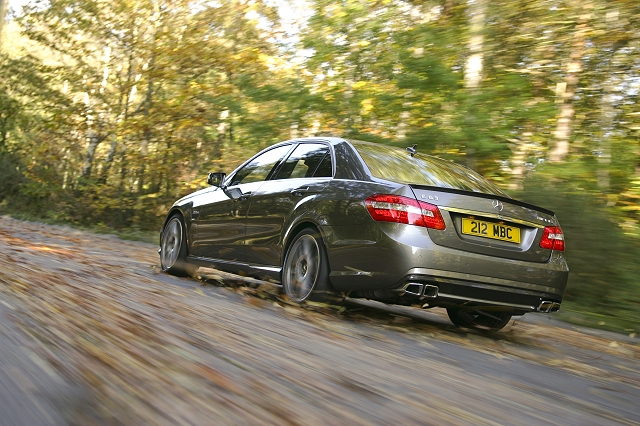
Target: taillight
<point>394,208</point>
<point>552,238</point>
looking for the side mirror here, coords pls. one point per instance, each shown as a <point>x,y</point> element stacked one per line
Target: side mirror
<point>216,179</point>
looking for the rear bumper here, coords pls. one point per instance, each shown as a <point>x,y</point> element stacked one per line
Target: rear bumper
<point>443,288</point>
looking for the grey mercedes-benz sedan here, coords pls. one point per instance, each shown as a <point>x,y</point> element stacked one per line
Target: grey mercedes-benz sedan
<point>329,217</point>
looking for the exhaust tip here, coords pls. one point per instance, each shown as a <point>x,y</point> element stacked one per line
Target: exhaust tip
<point>430,290</point>
<point>414,289</point>
<point>547,306</point>
<point>418,289</point>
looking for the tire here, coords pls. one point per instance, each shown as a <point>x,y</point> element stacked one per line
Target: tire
<point>173,248</point>
<point>478,319</point>
<point>305,272</point>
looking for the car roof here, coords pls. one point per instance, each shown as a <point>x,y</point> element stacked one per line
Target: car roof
<point>331,139</point>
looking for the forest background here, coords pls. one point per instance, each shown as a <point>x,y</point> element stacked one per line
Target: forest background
<point>112,109</point>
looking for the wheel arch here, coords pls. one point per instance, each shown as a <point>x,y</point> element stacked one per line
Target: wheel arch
<point>184,213</point>
<point>294,229</point>
<point>322,289</point>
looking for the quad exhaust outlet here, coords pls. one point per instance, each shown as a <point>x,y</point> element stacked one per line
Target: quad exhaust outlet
<point>429,291</point>
<point>418,289</point>
<point>548,306</point>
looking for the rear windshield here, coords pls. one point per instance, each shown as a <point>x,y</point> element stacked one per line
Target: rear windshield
<point>397,165</point>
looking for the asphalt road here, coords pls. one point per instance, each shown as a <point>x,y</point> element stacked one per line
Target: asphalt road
<point>91,332</point>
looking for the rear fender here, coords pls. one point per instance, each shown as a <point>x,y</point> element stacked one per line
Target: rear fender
<point>307,221</point>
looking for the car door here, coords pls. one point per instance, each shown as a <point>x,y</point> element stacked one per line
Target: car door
<point>220,220</point>
<point>289,192</point>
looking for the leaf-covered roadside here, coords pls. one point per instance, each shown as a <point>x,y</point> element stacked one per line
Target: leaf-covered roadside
<point>158,350</point>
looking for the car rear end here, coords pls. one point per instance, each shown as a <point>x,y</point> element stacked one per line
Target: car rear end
<point>457,240</point>
<point>512,258</point>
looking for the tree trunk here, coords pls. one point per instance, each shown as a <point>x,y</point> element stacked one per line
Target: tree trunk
<point>607,112</point>
<point>222,131</point>
<point>94,141</point>
<point>604,149</point>
<point>94,137</point>
<point>146,110</point>
<point>447,9</point>
<point>3,11</point>
<point>147,134</point>
<point>108,162</point>
<point>566,90</point>
<point>7,118</point>
<point>167,168</point>
<point>474,65</point>
<point>124,102</point>
<point>123,170</point>
<point>518,161</point>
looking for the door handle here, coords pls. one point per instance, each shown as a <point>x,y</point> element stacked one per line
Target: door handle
<point>245,196</point>
<point>299,191</point>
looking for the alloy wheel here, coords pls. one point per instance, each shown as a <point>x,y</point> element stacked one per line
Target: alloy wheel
<point>301,268</point>
<point>171,243</point>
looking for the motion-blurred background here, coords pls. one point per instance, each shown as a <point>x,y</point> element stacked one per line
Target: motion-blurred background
<point>111,109</point>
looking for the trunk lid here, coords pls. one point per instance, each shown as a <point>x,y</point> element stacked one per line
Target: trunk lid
<point>488,224</point>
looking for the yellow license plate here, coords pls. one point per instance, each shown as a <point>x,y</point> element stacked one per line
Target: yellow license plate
<point>496,231</point>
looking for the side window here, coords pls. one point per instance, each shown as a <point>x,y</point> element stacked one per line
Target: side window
<point>306,161</point>
<point>325,169</point>
<point>260,167</point>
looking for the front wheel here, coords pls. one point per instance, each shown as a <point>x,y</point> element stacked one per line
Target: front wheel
<point>173,248</point>
<point>478,319</point>
<point>305,273</point>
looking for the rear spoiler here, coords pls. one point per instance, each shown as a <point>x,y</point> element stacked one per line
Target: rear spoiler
<point>502,198</point>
